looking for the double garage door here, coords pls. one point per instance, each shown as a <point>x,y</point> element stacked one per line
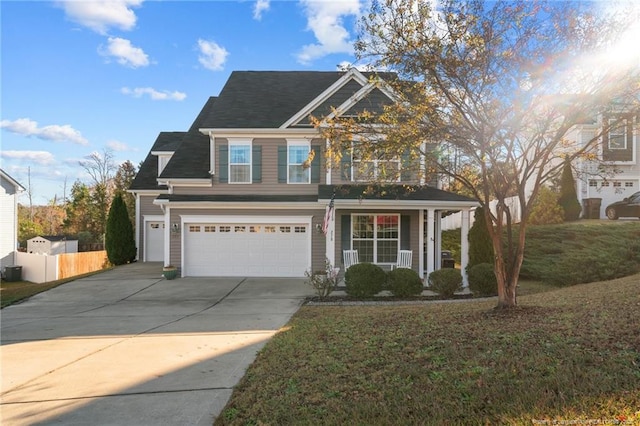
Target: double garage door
<point>246,249</point>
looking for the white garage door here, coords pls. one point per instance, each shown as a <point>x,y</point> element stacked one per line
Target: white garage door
<point>154,241</point>
<point>247,249</point>
<point>611,191</point>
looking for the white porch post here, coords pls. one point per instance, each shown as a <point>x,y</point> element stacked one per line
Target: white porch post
<point>421,264</point>
<point>167,236</point>
<point>431,241</point>
<point>464,247</point>
<point>139,228</point>
<point>330,245</point>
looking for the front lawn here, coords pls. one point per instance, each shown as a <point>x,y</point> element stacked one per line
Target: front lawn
<point>570,354</point>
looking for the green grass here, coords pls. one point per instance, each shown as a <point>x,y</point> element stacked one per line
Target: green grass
<point>569,354</point>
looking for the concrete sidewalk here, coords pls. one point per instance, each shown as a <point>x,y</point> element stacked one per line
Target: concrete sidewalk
<point>127,347</point>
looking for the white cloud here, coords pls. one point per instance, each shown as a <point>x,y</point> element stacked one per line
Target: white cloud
<point>40,157</point>
<point>125,53</point>
<point>259,7</point>
<point>154,94</point>
<point>100,15</point>
<point>118,146</point>
<point>54,132</point>
<point>212,56</point>
<point>325,20</point>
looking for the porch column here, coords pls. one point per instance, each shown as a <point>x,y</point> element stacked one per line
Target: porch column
<point>139,227</point>
<point>167,236</point>
<point>421,246</point>
<point>431,241</point>
<point>464,247</point>
<point>329,238</point>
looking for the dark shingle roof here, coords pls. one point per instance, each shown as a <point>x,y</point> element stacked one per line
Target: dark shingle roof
<point>148,173</point>
<point>267,99</point>
<point>191,159</point>
<point>388,192</point>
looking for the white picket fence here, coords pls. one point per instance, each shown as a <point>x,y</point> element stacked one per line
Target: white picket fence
<point>454,221</point>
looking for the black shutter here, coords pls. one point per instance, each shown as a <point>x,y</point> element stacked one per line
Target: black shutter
<point>345,232</point>
<point>345,165</point>
<point>315,164</point>
<point>257,163</point>
<point>405,232</point>
<point>223,161</point>
<point>282,164</point>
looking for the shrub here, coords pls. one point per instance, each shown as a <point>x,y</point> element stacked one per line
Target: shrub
<point>568,199</point>
<point>323,282</point>
<point>364,280</point>
<point>546,210</point>
<point>482,280</point>
<point>480,244</point>
<point>119,241</point>
<point>403,282</point>
<point>445,281</point>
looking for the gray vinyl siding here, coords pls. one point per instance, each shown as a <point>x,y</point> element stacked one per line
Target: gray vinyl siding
<point>414,229</point>
<point>317,238</point>
<point>146,208</point>
<point>269,184</point>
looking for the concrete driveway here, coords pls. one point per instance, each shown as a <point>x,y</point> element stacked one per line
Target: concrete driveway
<point>127,347</point>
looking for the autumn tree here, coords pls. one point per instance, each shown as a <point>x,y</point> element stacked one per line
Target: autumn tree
<point>500,83</point>
<point>100,167</point>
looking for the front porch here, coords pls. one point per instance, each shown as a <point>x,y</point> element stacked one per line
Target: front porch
<point>378,222</point>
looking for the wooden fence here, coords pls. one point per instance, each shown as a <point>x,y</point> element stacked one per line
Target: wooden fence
<point>40,268</point>
<point>72,264</point>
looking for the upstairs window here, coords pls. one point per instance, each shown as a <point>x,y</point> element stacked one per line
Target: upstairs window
<point>299,158</point>
<point>375,167</point>
<point>239,163</point>
<point>618,138</point>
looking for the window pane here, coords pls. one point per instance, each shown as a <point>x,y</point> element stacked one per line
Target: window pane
<point>365,250</point>
<point>297,174</point>
<point>387,227</point>
<point>387,251</point>
<point>362,227</point>
<point>239,173</point>
<point>239,154</point>
<point>298,154</point>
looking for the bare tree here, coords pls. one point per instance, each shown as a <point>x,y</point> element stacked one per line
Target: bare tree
<point>501,84</point>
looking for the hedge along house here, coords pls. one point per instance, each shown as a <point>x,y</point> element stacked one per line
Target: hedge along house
<point>245,191</point>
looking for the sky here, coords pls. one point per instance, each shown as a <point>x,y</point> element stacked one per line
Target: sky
<point>81,77</point>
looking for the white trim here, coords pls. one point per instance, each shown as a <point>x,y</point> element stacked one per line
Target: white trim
<point>184,182</point>
<point>431,242</point>
<point>167,237</point>
<point>212,154</point>
<point>257,205</point>
<point>256,133</point>
<point>148,191</point>
<point>240,142</point>
<point>353,73</point>
<point>184,219</point>
<point>464,247</point>
<point>421,244</point>
<point>298,142</point>
<point>138,230</point>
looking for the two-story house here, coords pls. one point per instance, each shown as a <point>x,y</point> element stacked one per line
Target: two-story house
<point>246,190</point>
<point>618,135</point>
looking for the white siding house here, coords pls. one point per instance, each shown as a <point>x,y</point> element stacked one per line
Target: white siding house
<point>9,190</point>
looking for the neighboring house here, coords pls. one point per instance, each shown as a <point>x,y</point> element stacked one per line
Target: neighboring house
<point>618,148</point>
<point>239,194</point>
<point>9,190</point>
<point>51,245</point>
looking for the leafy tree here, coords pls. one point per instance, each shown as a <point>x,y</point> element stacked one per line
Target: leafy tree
<point>122,181</point>
<point>546,210</point>
<point>568,197</point>
<point>480,244</point>
<point>501,83</point>
<point>119,240</point>
<point>79,210</point>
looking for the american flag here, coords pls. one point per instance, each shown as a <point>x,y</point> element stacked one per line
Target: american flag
<point>327,215</point>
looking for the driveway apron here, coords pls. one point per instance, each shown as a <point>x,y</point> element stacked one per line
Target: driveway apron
<point>128,347</point>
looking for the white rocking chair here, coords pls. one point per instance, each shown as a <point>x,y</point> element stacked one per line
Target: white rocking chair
<point>405,259</point>
<point>350,258</point>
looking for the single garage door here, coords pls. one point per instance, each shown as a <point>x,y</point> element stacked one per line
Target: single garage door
<point>247,249</point>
